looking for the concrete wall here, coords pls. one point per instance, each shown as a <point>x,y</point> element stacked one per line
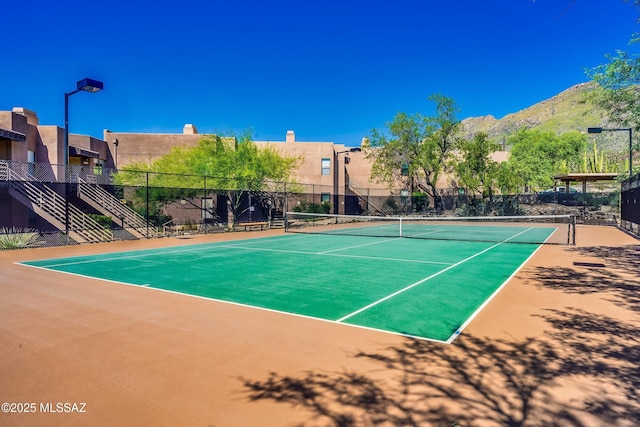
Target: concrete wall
<point>145,147</point>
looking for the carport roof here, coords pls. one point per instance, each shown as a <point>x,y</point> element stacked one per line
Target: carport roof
<point>586,177</point>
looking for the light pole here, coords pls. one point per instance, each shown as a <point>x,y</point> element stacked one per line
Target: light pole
<point>600,130</point>
<point>87,85</point>
<point>336,175</point>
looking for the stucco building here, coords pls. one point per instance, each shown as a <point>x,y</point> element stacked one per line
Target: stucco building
<point>32,154</point>
<point>32,164</point>
<point>329,172</point>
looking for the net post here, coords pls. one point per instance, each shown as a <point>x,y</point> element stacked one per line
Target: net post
<point>400,227</point>
<point>573,229</point>
<point>286,221</point>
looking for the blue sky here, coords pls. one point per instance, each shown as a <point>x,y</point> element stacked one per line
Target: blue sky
<point>330,70</point>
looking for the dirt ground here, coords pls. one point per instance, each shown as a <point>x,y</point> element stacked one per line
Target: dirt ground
<point>558,346</point>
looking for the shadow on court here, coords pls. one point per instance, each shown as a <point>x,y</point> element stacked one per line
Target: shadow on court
<point>618,281</point>
<point>583,371</point>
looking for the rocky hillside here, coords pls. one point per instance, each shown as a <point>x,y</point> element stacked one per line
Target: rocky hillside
<point>564,112</point>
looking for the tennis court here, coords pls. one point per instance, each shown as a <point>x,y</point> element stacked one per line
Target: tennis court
<point>429,289</point>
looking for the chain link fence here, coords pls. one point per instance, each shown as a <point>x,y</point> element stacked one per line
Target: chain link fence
<point>41,198</point>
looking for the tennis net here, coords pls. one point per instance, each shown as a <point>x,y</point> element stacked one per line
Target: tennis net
<point>539,229</point>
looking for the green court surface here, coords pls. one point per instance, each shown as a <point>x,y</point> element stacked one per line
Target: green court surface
<point>427,289</point>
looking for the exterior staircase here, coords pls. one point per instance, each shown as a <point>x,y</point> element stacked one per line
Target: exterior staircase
<point>373,208</point>
<point>52,207</point>
<point>109,205</point>
<point>266,200</point>
<point>277,220</point>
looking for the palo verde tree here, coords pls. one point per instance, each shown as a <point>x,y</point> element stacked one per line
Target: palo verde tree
<point>414,150</point>
<point>475,169</point>
<point>233,165</point>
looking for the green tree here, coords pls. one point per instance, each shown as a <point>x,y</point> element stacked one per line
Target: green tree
<point>508,179</point>
<point>618,90</point>
<point>415,150</point>
<point>233,165</point>
<point>475,170</point>
<point>537,156</point>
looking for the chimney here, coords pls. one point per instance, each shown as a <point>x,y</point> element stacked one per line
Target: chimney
<point>291,136</point>
<point>32,117</point>
<point>189,129</point>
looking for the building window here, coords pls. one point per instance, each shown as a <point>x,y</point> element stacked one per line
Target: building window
<point>31,158</point>
<point>325,197</point>
<point>98,168</point>
<point>326,166</point>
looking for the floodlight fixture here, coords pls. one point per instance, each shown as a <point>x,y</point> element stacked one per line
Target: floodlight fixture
<point>90,85</point>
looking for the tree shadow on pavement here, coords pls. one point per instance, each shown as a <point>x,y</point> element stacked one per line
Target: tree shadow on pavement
<point>617,281</point>
<point>474,381</point>
<point>583,371</point>
<point>608,347</point>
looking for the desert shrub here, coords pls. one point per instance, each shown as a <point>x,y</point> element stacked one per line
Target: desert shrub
<point>17,238</point>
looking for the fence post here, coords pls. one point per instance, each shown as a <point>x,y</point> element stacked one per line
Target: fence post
<point>66,202</point>
<point>286,201</point>
<point>147,201</point>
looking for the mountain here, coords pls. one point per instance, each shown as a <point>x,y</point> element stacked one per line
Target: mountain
<point>569,110</point>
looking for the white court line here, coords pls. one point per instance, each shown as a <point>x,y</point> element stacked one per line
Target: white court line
<point>484,304</point>
<point>358,246</point>
<point>428,232</point>
<point>413,285</point>
<point>218,245</point>
<point>269,239</point>
<point>415,261</point>
<point>82,275</point>
<point>117,258</point>
<point>254,307</point>
<point>151,252</point>
<point>412,261</point>
<point>485,231</point>
<point>475,313</point>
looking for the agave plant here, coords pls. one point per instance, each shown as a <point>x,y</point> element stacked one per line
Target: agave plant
<point>17,238</point>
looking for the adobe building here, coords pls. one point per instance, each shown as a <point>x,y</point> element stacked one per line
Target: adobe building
<point>327,170</point>
<point>24,141</point>
<point>330,173</point>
